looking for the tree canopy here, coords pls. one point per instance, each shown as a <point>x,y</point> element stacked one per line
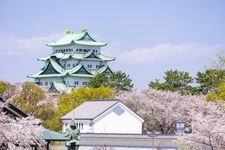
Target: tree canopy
<point>161,109</point>
<point>69,101</point>
<point>7,90</point>
<point>210,80</point>
<point>174,81</point>
<point>19,133</point>
<point>118,80</point>
<point>34,101</point>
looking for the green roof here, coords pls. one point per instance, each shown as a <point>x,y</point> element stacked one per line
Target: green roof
<point>56,66</point>
<point>103,69</point>
<point>77,71</point>
<point>50,135</point>
<point>61,87</point>
<point>81,38</point>
<point>79,56</point>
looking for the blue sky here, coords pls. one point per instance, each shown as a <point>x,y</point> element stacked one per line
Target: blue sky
<point>147,37</point>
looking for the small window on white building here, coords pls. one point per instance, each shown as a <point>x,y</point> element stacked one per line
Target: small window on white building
<point>66,124</point>
<point>74,65</point>
<point>41,83</point>
<point>46,83</point>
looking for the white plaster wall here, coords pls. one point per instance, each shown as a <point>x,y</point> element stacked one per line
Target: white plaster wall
<point>75,46</point>
<point>93,63</point>
<point>72,62</point>
<point>70,81</point>
<point>113,123</point>
<point>43,80</point>
<point>86,125</point>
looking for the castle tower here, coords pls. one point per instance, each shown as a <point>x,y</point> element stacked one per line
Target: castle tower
<point>75,59</point>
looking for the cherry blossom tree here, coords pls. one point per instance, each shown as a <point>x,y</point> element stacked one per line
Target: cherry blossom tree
<point>19,133</point>
<point>208,130</point>
<point>161,110</point>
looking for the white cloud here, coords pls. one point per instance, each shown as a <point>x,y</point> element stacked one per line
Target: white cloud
<point>11,44</point>
<point>167,51</point>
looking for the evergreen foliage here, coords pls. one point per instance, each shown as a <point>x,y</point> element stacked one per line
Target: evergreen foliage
<point>175,81</point>
<point>119,81</point>
<point>210,80</point>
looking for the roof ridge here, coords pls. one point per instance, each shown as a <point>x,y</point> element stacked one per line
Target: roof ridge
<point>100,100</point>
<point>105,110</point>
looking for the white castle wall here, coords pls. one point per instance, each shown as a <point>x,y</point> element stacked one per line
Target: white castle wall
<point>81,81</point>
<point>66,49</point>
<point>46,82</point>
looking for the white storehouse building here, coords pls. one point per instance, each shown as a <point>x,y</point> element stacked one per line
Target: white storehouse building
<point>75,59</point>
<point>104,116</point>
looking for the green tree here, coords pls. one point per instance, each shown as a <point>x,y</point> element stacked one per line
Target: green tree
<point>210,80</point>
<point>33,100</point>
<point>219,94</point>
<point>119,81</point>
<point>69,101</point>
<point>175,81</point>
<point>100,79</point>
<point>29,97</point>
<point>7,90</point>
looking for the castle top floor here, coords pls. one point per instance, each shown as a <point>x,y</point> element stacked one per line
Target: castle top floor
<point>76,42</point>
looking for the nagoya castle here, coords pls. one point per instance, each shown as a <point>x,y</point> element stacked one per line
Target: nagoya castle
<point>75,59</point>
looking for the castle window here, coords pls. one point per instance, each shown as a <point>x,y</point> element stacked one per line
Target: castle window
<point>76,83</point>
<point>74,65</point>
<point>46,83</point>
<point>84,82</point>
<point>89,66</point>
<point>68,65</point>
<point>80,50</point>
<point>77,49</point>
